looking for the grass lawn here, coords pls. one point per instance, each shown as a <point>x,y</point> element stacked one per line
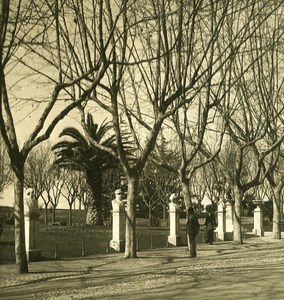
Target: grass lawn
<point>79,239</point>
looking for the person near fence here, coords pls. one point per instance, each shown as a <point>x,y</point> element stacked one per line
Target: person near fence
<point>209,225</point>
<point>192,229</point>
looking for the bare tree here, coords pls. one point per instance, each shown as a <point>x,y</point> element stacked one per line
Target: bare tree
<point>5,169</point>
<point>192,150</point>
<point>37,168</point>
<point>138,62</point>
<point>276,183</point>
<point>198,189</point>
<point>174,50</point>
<point>46,201</point>
<point>71,188</point>
<point>45,33</point>
<point>252,110</point>
<point>270,68</point>
<point>213,181</point>
<point>83,194</point>
<point>148,194</point>
<point>53,188</point>
<point>165,183</point>
<point>156,186</point>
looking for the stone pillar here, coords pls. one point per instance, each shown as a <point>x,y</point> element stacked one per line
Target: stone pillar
<point>32,214</point>
<point>258,220</point>
<point>221,229</point>
<point>229,222</point>
<point>118,226</point>
<point>174,214</point>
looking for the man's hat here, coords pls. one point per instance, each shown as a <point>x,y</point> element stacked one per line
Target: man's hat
<point>190,210</point>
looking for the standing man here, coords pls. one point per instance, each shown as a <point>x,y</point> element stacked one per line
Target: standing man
<point>210,225</point>
<point>192,228</point>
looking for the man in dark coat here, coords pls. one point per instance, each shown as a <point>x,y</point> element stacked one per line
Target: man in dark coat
<point>192,228</point>
<point>210,225</point>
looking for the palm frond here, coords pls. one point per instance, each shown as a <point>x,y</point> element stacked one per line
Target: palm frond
<point>75,134</point>
<point>65,144</point>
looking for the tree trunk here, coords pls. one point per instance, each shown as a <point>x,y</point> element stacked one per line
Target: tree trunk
<point>95,213</point>
<point>277,212</point>
<point>70,214</point>
<point>53,213</point>
<point>130,233</point>
<point>164,213</point>
<point>46,214</point>
<point>150,212</point>
<point>236,207</point>
<point>20,247</point>
<point>186,193</point>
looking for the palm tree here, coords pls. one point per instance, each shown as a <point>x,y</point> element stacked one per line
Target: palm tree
<point>79,154</point>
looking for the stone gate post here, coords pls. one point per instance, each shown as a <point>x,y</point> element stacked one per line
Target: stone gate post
<point>221,217</point>
<point>229,221</point>
<point>32,214</point>
<point>258,219</point>
<point>118,223</point>
<point>174,216</point>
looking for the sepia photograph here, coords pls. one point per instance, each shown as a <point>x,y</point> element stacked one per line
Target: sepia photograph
<point>141,149</point>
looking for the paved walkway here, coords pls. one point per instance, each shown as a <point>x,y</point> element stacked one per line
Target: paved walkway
<point>254,270</point>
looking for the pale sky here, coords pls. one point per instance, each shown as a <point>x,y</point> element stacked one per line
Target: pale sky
<point>7,199</point>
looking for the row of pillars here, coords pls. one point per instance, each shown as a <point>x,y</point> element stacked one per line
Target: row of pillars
<point>224,229</point>
<point>118,225</point>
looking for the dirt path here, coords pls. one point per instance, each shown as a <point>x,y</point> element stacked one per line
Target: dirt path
<point>254,270</point>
